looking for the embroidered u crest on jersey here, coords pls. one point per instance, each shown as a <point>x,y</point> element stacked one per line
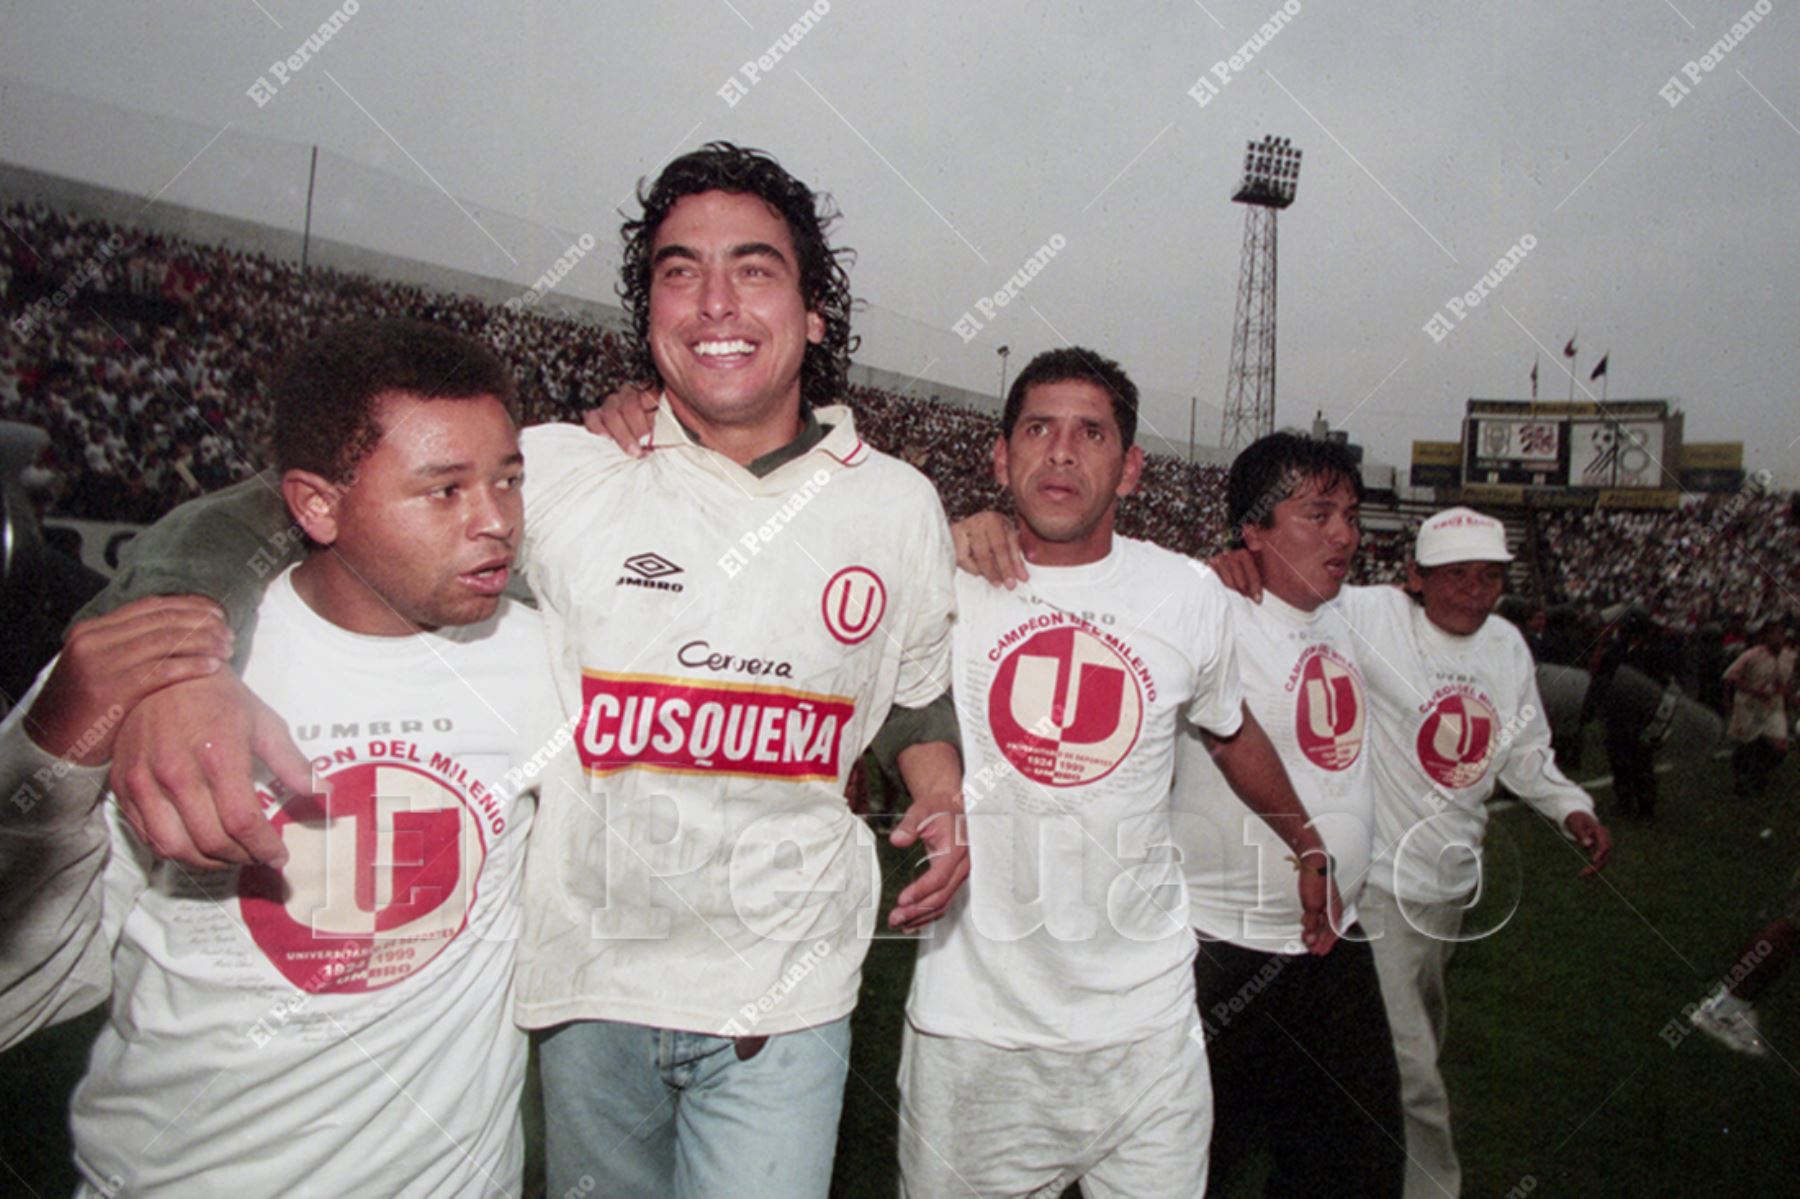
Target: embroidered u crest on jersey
<point>1065,707</point>
<point>853,603</point>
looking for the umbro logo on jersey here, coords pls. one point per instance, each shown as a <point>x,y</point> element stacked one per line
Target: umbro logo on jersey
<point>651,566</point>
<point>649,570</point>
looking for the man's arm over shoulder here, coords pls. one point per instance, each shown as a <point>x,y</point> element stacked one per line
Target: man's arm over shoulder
<point>55,962</point>
<point>226,546</point>
<point>1365,603</point>
<point>561,461</point>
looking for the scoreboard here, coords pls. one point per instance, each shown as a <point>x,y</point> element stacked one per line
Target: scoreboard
<point>1530,450</point>
<point>1626,453</point>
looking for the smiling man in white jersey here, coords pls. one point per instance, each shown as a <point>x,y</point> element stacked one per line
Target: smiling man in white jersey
<point>736,612</point>
<point>1456,712</point>
<point>1301,1056</point>
<point>1051,1031</point>
<point>341,1025</point>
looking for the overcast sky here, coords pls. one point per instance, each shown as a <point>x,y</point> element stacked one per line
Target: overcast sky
<point>960,138</point>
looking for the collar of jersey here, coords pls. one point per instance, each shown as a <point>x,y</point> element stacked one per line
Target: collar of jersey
<point>829,431</point>
<point>1285,611</point>
<point>1084,574</point>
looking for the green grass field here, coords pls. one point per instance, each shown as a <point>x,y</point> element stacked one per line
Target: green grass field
<point>1561,1082</point>
<point>1561,1072</point>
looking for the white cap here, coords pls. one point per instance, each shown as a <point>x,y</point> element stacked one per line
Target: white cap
<point>1460,535</point>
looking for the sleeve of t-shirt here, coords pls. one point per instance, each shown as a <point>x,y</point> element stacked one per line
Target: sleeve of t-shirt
<point>1218,703</point>
<point>1379,618</point>
<point>1529,769</point>
<point>1735,671</point>
<point>561,461</point>
<point>546,732</point>
<point>227,546</point>
<point>55,956</point>
<point>925,642</point>
<point>1372,604</point>
<point>905,727</point>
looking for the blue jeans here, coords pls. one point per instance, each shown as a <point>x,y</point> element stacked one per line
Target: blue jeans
<point>646,1113</point>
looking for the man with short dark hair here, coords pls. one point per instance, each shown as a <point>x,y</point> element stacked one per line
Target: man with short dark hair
<point>1072,364</point>
<point>343,1022</point>
<point>1051,1034</point>
<point>1301,1055</point>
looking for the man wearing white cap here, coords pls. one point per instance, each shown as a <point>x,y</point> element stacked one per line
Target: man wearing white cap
<point>1456,710</point>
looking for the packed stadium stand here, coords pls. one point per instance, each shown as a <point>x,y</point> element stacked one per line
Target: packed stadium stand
<point>143,356</point>
<point>1724,558</point>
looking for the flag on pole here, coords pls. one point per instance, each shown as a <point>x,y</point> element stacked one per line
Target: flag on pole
<point>1569,350</point>
<point>1600,369</point>
<point>1534,377</point>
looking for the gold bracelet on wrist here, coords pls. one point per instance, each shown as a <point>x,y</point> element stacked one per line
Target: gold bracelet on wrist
<point>1324,870</point>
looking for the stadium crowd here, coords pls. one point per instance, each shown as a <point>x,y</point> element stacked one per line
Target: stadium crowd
<point>1180,505</point>
<point>143,355</point>
<point>1725,558</point>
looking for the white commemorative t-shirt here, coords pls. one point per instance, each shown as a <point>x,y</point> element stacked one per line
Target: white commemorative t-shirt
<point>1071,932</point>
<point>1453,717</point>
<point>732,644</point>
<point>343,1027</point>
<point>1305,689</point>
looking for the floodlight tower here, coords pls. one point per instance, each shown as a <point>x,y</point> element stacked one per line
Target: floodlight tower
<point>1271,174</point>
